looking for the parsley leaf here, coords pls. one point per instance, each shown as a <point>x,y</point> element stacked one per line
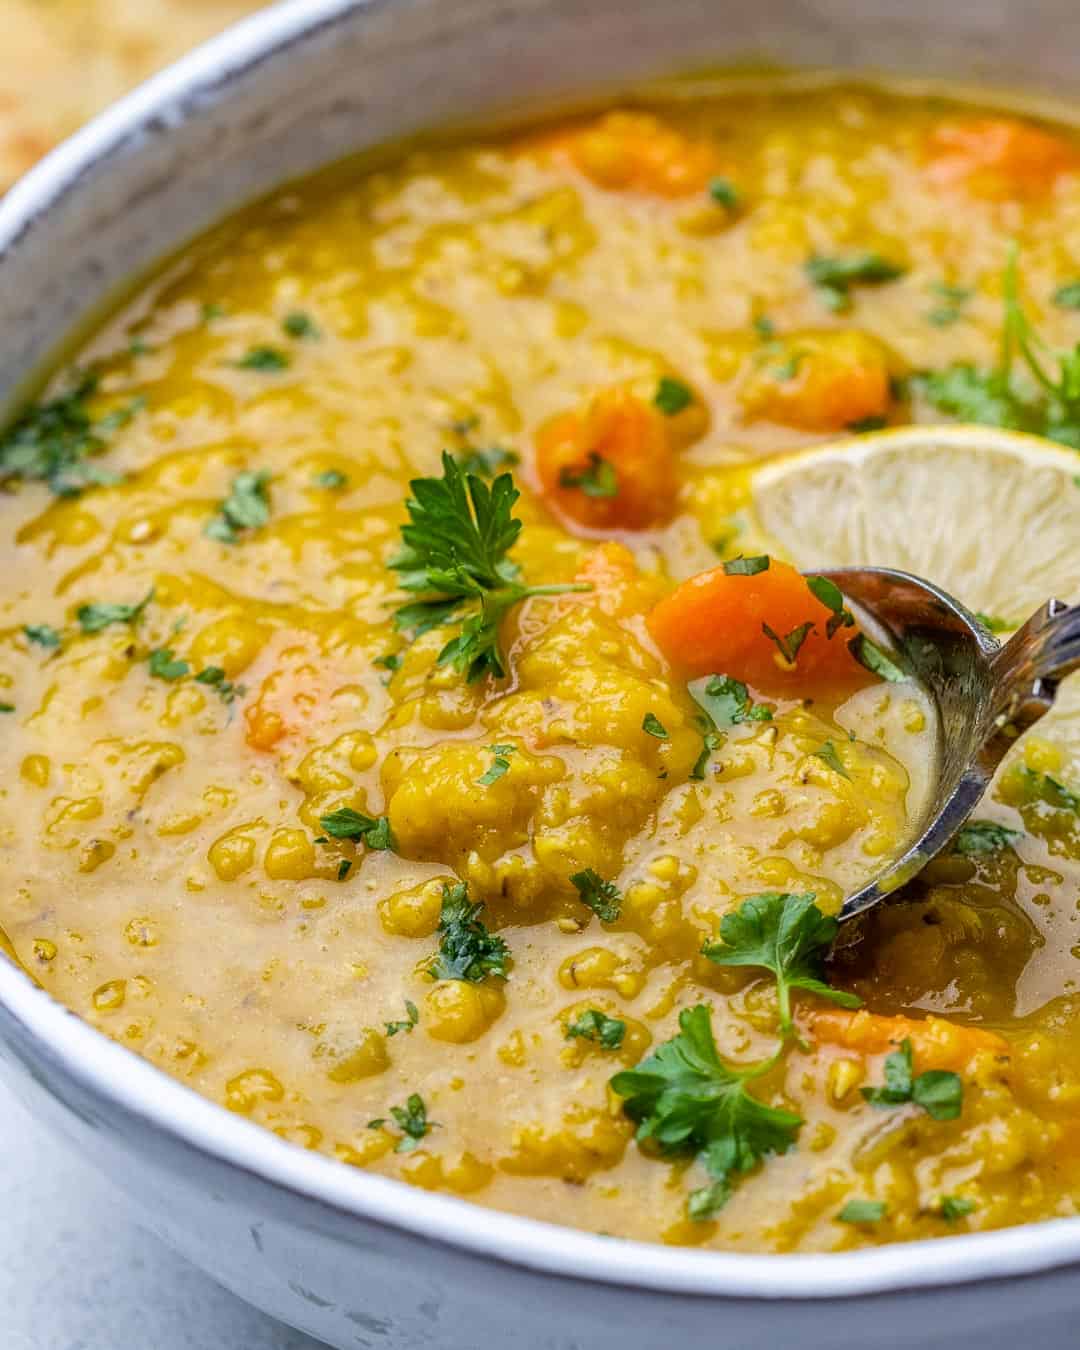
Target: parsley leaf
<point>264,358</point>
<point>299,325</point>
<point>165,666</point>
<point>603,897</point>
<point>597,479</point>
<point>94,618</point>
<point>247,507</point>
<point>1068,295</point>
<point>652,726</point>
<point>672,396</point>
<point>791,643</point>
<point>593,1025</point>
<point>862,1211</point>
<point>727,702</point>
<point>467,951</point>
<point>499,765</point>
<point>456,543</point>
<point>214,676</point>
<point>685,1098</point>
<point>1042,787</point>
<point>412,1120</point>
<point>827,753</point>
<point>746,567</point>
<point>724,193</point>
<point>993,624</point>
<point>7,707</point>
<point>983,836</point>
<point>345,823</point>
<point>833,278</point>
<point>870,655</point>
<point>954,1207</point>
<point>331,479</point>
<point>487,462</point>
<point>939,1092</point>
<point>412,1016</point>
<point>830,595</point>
<point>43,635</point>
<point>786,934</point>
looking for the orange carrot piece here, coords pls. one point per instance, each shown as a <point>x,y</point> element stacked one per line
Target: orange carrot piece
<point>820,381</point>
<point>611,467</point>
<point>936,1043</point>
<point>998,157</point>
<point>714,624</point>
<point>289,700</point>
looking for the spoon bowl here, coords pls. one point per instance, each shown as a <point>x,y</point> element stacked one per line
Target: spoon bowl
<point>985,693</point>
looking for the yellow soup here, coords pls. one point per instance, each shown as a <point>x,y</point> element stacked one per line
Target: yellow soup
<point>415,856</point>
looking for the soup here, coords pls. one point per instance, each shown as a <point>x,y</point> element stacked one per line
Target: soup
<point>492,841</point>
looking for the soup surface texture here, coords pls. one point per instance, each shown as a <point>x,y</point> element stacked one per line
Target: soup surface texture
<point>421,888</point>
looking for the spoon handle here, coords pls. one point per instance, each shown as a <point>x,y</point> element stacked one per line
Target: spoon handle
<point>1029,667</point>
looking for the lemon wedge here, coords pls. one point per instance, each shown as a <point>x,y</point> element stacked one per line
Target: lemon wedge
<point>991,516</point>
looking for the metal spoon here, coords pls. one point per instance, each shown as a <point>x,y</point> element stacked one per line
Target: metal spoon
<point>986,695</point>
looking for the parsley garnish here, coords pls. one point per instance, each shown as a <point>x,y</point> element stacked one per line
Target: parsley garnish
<point>467,951</point>
<point>455,551</point>
<point>685,1098</point>
<point>214,676</point>
<point>345,823</point>
<point>7,707</point>
<point>593,1025</point>
<point>993,624</point>
<point>265,359</point>
<point>790,644</point>
<point>939,1092</point>
<point>983,836</point>
<point>487,461</point>
<point>874,422</point>
<point>652,726</point>
<point>499,765</point>
<point>955,297</point>
<point>411,1119</point>
<point>727,702</point>
<point>1041,787</point>
<point>862,1211</point>
<point>869,655</point>
<point>344,867</point>
<point>597,479</point>
<point>43,635</point>
<point>165,666</point>
<point>94,618</point>
<point>833,278</point>
<point>724,193</point>
<point>786,934</point>
<point>830,595</point>
<point>827,753</point>
<point>331,479</point>
<point>247,507</point>
<point>52,441</point>
<point>746,567</point>
<point>603,897</point>
<point>672,396</point>
<point>1068,296</point>
<point>954,1207</point>
<point>299,325</point>
<point>412,1016</point>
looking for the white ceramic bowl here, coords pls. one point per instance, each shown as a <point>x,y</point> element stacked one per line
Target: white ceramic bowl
<point>357,1259</point>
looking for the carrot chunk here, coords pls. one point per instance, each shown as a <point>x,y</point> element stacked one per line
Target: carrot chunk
<point>936,1043</point>
<point>998,157</point>
<point>766,628</point>
<point>611,467</point>
<point>819,381</point>
<point>636,152</point>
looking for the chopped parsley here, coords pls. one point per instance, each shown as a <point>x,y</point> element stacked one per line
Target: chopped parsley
<point>983,836</point>
<point>828,754</point>
<point>652,726</point>
<point>247,507</point>
<point>833,278</point>
<point>487,461</point>
<point>331,479</point>
<point>411,1119</point>
<point>727,702</point>
<point>672,396</point>
<point>390,661</point>
<point>264,358</point>
<point>94,618</point>
<point>1068,295</point>
<point>603,897</point>
<point>499,765</point>
<point>872,658</point>
<point>993,624</point>
<point>954,1207</point>
<point>7,707</point>
<point>227,690</point>
<point>593,1025</point>
<point>939,1092</point>
<point>790,644</point>
<point>597,479</point>
<point>43,635</point>
<point>1042,787</point>
<point>787,935</point>
<point>954,299</point>
<point>830,595</point>
<point>412,1016</point>
<point>373,831</point>
<point>724,193</point>
<point>455,560</point>
<point>165,666</point>
<point>344,867</point>
<point>746,567</point>
<point>467,951</point>
<point>862,1211</point>
<point>686,1099</point>
<point>875,422</point>
<point>300,326</point>
<point>52,442</point>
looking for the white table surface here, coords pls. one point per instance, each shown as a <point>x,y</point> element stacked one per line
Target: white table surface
<point>74,1275</point>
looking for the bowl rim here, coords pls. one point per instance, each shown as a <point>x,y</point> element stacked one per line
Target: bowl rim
<point>118,1076</point>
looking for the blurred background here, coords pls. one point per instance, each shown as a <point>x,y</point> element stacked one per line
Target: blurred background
<point>61,61</point>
